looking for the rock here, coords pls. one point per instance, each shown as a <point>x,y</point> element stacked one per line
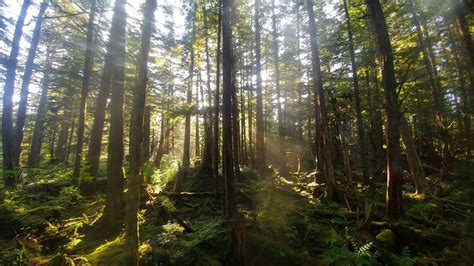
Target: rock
<point>387,238</point>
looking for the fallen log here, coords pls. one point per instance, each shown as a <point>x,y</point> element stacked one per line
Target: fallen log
<point>417,235</point>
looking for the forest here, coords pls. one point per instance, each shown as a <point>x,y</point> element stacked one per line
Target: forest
<point>237,132</point>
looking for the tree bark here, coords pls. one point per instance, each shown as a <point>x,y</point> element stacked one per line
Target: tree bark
<point>97,130</point>
<point>34,155</point>
<point>189,97</point>
<point>29,67</point>
<point>7,111</point>
<point>114,211</point>
<point>392,113</point>
<point>136,137</point>
<point>206,161</point>
<point>260,139</point>
<point>462,26</point>
<point>324,142</point>
<point>216,152</point>
<point>416,168</point>
<point>276,69</point>
<point>355,81</point>
<point>86,77</point>
<point>146,134</point>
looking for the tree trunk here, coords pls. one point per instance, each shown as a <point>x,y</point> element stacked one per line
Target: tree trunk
<point>114,211</point>
<point>7,111</point>
<point>216,100</point>
<point>392,113</point>
<point>235,129</point>
<point>460,11</point>
<point>355,81</point>
<point>416,168</point>
<point>435,84</point>
<point>324,142</point>
<point>137,134</point>
<point>197,138</point>
<point>86,77</point>
<point>69,141</point>
<point>189,97</point>
<point>146,134</point>
<point>97,131</point>
<point>260,139</point>
<point>227,72</point>
<point>30,64</point>
<point>160,150</point>
<point>276,69</point>
<point>66,125</point>
<point>206,161</point>
<point>34,156</point>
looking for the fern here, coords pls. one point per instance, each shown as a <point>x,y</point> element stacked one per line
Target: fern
<point>405,258</point>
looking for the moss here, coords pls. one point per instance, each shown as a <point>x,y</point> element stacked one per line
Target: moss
<point>425,210</point>
<point>110,253</point>
<point>387,238</point>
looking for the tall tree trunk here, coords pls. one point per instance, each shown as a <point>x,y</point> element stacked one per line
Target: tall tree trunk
<point>355,81</point>
<point>34,155</point>
<point>435,84</point>
<point>146,134</point>
<point>216,100</point>
<point>114,211</point>
<point>206,162</point>
<point>66,125</point>
<point>30,64</point>
<point>276,69</point>
<point>230,210</point>
<point>69,141</point>
<point>197,138</point>
<point>251,154</point>
<point>460,11</point>
<point>161,149</point>
<point>235,129</point>
<point>189,97</point>
<point>86,77</point>
<point>324,142</point>
<point>392,113</point>
<point>300,74</point>
<point>260,139</point>
<point>227,72</point>
<point>137,135</point>
<point>7,111</point>
<point>416,168</point>
<point>97,130</point>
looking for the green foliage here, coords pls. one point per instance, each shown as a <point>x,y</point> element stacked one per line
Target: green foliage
<point>425,210</point>
<point>170,232</point>
<point>167,173</point>
<point>404,259</point>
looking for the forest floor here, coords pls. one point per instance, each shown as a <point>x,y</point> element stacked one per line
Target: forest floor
<point>285,219</point>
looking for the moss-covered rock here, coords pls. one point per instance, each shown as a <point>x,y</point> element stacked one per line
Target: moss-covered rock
<point>387,238</point>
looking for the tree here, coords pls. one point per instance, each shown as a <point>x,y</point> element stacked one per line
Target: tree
<point>30,63</point>
<point>136,136</point>
<point>260,139</point>
<point>7,119</point>
<point>86,76</point>
<point>38,130</point>
<point>216,98</point>
<point>113,212</point>
<point>392,113</point>
<point>323,142</point>
<point>355,81</point>
<point>189,97</point>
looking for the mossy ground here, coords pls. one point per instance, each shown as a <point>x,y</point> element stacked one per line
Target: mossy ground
<point>287,222</point>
